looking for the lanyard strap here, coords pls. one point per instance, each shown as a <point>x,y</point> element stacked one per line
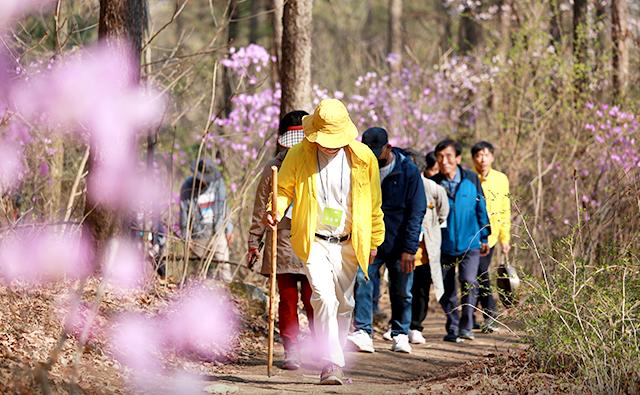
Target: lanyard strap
<point>325,192</point>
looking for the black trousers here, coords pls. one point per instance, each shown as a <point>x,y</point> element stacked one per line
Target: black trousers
<point>420,302</point>
<point>485,293</point>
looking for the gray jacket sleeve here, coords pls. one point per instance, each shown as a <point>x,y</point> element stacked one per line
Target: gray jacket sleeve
<point>442,205</point>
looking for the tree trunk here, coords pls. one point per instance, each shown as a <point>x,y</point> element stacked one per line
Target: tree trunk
<point>468,39</point>
<point>276,40</point>
<point>124,19</point>
<point>468,33</point>
<point>394,49</point>
<point>254,22</point>
<point>394,45</point>
<point>503,48</point>
<point>445,38</point>
<point>556,23</point>
<point>621,43</point>
<point>232,35</point>
<point>580,41</point>
<point>61,36</point>
<point>295,63</point>
<point>119,20</point>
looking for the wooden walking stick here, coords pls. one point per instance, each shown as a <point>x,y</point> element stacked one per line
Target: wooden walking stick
<point>274,257</point>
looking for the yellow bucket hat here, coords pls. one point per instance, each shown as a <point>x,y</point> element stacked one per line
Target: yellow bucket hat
<point>330,125</point>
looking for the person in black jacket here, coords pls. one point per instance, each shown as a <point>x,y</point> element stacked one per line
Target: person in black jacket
<point>404,206</point>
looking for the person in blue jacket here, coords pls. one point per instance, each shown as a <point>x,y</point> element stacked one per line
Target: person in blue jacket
<point>404,205</point>
<point>464,239</point>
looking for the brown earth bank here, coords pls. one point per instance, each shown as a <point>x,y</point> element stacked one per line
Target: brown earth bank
<point>30,327</point>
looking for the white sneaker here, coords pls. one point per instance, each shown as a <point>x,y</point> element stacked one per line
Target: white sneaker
<point>416,337</point>
<point>387,335</point>
<point>362,341</point>
<point>401,344</point>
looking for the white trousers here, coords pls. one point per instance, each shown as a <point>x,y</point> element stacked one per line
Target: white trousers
<point>331,270</point>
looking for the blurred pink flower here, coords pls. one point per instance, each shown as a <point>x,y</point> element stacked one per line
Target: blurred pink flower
<point>200,321</point>
<point>12,9</point>
<point>124,268</point>
<point>44,255</point>
<point>76,315</point>
<point>10,165</point>
<point>127,188</point>
<point>135,341</point>
<point>91,92</point>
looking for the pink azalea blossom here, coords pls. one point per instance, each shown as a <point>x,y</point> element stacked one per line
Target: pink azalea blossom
<point>126,187</point>
<point>200,321</point>
<point>136,342</point>
<point>91,93</point>
<point>40,255</point>
<point>10,165</point>
<point>12,9</point>
<point>78,318</point>
<point>124,267</point>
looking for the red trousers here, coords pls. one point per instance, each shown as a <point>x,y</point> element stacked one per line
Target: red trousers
<point>288,307</point>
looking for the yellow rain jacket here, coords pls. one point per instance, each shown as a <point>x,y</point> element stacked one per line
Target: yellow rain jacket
<point>496,192</point>
<point>297,183</point>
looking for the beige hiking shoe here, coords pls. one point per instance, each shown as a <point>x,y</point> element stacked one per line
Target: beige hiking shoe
<point>331,375</point>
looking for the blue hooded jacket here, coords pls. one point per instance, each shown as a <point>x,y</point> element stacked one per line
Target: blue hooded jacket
<point>404,205</point>
<point>468,221</point>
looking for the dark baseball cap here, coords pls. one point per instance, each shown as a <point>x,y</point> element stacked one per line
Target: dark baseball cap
<point>375,138</point>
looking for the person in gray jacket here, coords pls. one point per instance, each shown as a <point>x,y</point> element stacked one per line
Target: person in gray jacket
<point>204,219</point>
<point>428,270</point>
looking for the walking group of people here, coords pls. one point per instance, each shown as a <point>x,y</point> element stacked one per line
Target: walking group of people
<point>349,208</point>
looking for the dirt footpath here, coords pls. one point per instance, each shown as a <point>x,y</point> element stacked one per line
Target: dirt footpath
<point>384,372</point>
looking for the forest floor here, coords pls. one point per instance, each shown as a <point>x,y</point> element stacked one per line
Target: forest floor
<point>30,326</point>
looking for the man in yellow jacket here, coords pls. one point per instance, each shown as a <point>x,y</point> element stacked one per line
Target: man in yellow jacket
<point>333,182</point>
<point>496,191</point>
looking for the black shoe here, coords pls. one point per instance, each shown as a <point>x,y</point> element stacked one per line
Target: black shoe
<point>331,375</point>
<point>490,326</point>
<point>476,326</point>
<point>452,338</point>
<point>467,335</point>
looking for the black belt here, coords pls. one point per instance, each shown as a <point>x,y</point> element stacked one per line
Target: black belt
<point>334,239</point>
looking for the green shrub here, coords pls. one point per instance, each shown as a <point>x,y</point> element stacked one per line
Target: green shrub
<point>583,319</point>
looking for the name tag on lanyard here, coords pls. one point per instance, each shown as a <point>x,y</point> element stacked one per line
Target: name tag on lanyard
<point>332,217</point>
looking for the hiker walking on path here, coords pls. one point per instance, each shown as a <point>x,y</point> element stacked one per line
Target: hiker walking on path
<point>290,269</point>
<point>204,216</point>
<point>464,239</point>
<point>404,205</point>
<point>333,182</point>
<point>496,191</point>
<point>428,269</point>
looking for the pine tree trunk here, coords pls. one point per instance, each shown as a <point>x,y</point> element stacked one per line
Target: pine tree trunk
<point>468,39</point>
<point>62,31</point>
<point>580,41</point>
<point>468,33</point>
<point>394,48</point>
<point>276,43</point>
<point>295,63</point>
<point>394,45</point>
<point>445,38</point>
<point>503,48</point>
<point>254,22</point>
<point>621,43</point>
<point>556,23</point>
<point>119,19</point>
<point>232,35</point>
